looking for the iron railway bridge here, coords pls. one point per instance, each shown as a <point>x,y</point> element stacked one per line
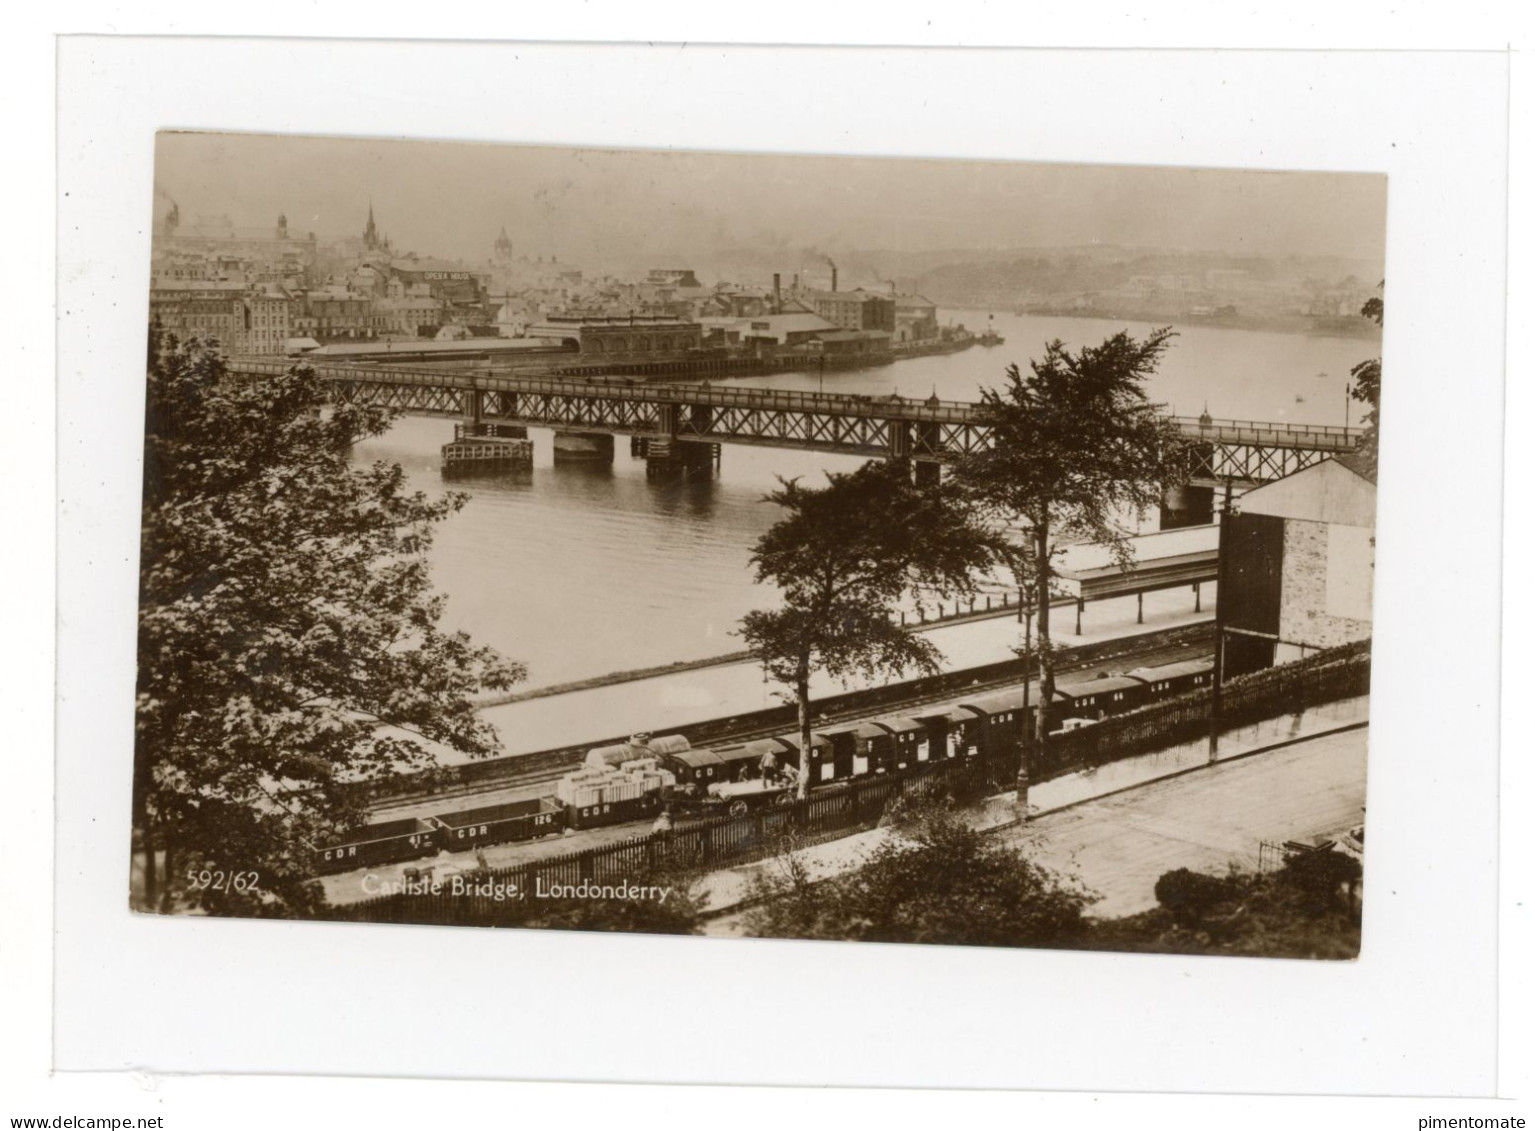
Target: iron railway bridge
<point>929,432</point>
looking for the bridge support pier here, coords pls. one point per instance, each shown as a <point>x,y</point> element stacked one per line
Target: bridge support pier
<point>589,447</point>
<point>474,428</point>
<point>478,447</point>
<point>671,457</point>
<point>1188,506</point>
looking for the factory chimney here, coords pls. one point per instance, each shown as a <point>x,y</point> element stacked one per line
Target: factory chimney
<point>777,294</point>
<point>833,263</point>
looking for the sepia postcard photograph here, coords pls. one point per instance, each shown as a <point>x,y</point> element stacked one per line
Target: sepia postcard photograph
<point>759,546</point>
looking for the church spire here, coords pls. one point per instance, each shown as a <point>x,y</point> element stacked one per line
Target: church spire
<point>370,233</point>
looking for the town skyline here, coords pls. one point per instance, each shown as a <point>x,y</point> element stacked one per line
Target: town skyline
<point>608,208</point>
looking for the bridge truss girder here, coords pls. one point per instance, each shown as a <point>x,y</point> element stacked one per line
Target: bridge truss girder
<point>832,432</point>
<point>946,441</point>
<point>421,400</point>
<point>578,414</point>
<point>1212,464</point>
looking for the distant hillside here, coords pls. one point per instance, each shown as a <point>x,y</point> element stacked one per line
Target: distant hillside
<point>1051,275</point>
<point>1022,277</point>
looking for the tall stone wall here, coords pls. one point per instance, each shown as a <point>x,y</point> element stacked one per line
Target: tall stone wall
<point>1304,616</point>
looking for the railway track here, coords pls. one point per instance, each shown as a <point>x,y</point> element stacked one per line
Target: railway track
<point>550,766</point>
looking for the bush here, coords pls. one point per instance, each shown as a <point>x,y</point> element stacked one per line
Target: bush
<point>1297,912</point>
<point>943,883</point>
<point>1190,896</point>
<point>1320,879</point>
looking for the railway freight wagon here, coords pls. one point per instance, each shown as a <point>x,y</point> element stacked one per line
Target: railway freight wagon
<point>607,795</point>
<point>630,781</point>
<point>388,842</point>
<point>1174,679</point>
<point>908,738</point>
<point>699,769</point>
<point>500,824</point>
<point>822,768</point>
<point>1097,698</point>
<point>952,731</point>
<point>616,812</point>
<point>1005,717</point>
<point>860,749</point>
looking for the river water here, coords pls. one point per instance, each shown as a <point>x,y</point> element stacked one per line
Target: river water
<point>579,570</point>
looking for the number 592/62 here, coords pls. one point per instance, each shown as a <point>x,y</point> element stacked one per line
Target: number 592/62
<point>209,879</point>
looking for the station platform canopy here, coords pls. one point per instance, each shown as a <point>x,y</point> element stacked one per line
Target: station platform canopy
<point>1167,559</point>
<point>386,348</point>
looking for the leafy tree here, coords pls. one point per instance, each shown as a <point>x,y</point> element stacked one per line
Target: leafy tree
<point>288,632</point>
<point>1366,390</point>
<point>1075,445</point>
<point>1032,651</point>
<point>943,882</point>
<point>841,557</point>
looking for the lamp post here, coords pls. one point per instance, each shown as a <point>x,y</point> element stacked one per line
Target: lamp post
<point>1221,587</point>
<point>1026,596</point>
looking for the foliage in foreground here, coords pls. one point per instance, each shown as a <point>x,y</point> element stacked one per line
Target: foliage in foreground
<point>841,557</point>
<point>1307,909</point>
<point>946,883</point>
<point>1076,446</point>
<point>289,638</point>
<point>942,882</point>
<point>1366,390</point>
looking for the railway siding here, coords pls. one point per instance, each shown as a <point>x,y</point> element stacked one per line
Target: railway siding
<point>837,810</point>
<point>1182,642</point>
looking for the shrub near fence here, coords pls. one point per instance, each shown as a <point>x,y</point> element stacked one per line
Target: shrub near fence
<point>838,810</point>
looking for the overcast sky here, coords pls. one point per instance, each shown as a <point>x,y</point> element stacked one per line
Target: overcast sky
<point>451,199</point>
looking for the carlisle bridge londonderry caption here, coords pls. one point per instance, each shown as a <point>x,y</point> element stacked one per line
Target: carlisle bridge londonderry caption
<point>500,892</point>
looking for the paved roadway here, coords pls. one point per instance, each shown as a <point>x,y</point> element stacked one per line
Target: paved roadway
<point>1119,845</point>
<point>1203,820</point>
